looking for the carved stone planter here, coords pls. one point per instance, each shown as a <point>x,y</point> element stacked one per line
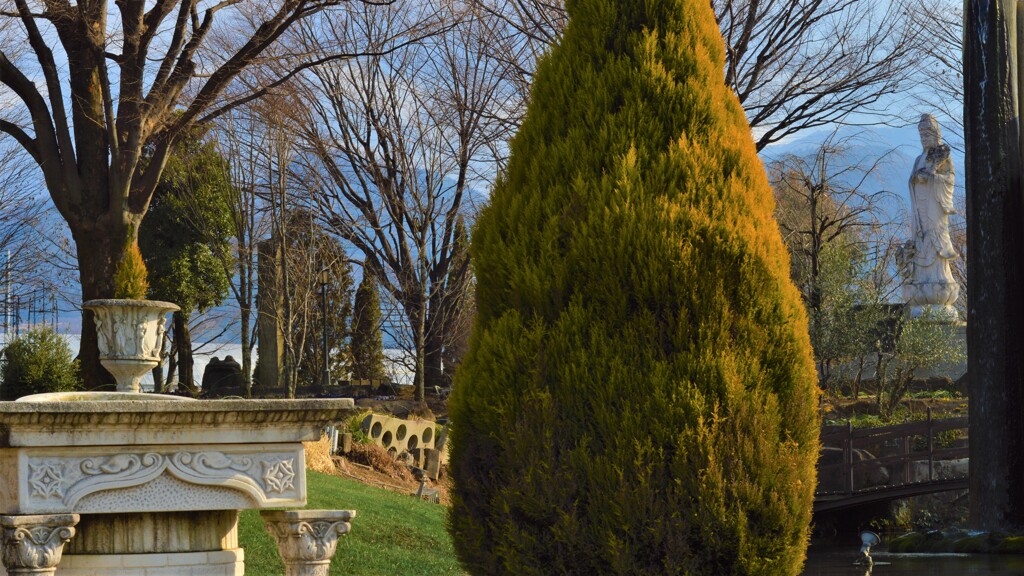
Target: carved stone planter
<point>34,544</point>
<point>129,334</point>
<point>307,539</point>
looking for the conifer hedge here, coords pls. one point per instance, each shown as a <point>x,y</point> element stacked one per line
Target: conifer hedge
<point>639,396</point>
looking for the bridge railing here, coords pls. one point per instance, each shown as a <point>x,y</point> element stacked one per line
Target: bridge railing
<point>857,460</point>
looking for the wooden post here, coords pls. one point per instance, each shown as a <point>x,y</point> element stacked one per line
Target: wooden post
<point>848,458</point>
<point>906,459</point>
<point>931,446</point>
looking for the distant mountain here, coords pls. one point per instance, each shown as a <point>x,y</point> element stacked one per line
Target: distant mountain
<point>899,146</point>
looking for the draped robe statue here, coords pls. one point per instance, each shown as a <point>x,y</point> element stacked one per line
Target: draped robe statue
<point>926,258</point>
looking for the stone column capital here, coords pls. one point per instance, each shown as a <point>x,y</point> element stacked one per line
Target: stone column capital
<point>34,544</point>
<point>307,539</point>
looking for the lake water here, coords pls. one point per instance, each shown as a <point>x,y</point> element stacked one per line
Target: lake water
<point>835,562</point>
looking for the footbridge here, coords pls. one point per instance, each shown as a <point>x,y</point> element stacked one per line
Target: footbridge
<point>861,466</point>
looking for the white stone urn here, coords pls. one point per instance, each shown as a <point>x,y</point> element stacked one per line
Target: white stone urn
<point>129,334</point>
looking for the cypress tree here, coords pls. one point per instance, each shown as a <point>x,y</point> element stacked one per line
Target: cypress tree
<point>639,395</point>
<point>366,344</point>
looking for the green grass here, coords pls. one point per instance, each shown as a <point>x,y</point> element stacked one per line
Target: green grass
<point>392,534</point>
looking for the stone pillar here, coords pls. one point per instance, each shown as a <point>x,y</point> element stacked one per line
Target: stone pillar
<point>307,539</point>
<point>269,304</point>
<point>34,544</point>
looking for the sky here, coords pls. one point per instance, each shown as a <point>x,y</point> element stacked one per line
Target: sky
<point>903,144</point>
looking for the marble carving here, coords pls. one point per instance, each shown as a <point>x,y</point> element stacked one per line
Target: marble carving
<point>35,544</point>
<point>129,334</point>
<point>57,483</point>
<point>925,258</point>
<point>307,539</point>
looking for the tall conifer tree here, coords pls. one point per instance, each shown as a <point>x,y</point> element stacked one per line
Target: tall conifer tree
<point>639,396</point>
<point>367,346</point>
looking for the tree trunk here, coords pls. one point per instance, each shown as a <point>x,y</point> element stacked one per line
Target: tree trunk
<point>246,353</point>
<point>857,378</point>
<point>158,370</point>
<point>433,370</point>
<point>183,342</point>
<point>172,367</point>
<point>99,249</point>
<point>995,274</point>
<point>158,378</point>
<point>418,319</point>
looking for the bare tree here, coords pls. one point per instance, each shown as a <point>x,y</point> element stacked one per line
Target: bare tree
<point>28,283</point>
<point>245,141</point>
<point>20,212</point>
<point>394,143</point>
<point>798,64</point>
<point>794,64</point>
<point>134,78</point>
<point>942,23</point>
<point>838,233</point>
<point>309,255</point>
<point>826,199</point>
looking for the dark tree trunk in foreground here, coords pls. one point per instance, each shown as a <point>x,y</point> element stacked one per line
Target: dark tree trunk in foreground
<point>995,251</point>
<point>183,340</point>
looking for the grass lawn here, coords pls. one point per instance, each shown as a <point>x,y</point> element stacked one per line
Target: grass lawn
<point>392,534</point>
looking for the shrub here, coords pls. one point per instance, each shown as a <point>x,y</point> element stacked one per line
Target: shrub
<point>639,395</point>
<point>354,426</point>
<point>38,361</point>
<point>130,277</point>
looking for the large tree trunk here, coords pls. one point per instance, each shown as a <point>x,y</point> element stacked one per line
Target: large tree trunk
<point>418,320</point>
<point>995,274</point>
<point>99,247</point>
<point>433,370</point>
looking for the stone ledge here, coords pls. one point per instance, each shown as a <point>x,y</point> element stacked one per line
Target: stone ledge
<point>120,422</point>
<point>216,563</point>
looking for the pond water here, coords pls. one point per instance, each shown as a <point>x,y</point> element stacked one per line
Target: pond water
<point>836,562</point>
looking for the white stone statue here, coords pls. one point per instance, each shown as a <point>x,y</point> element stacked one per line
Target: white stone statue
<point>926,256</point>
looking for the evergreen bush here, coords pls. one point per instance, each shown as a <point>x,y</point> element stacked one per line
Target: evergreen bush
<point>36,362</point>
<point>130,276</point>
<point>367,345</point>
<point>639,395</point>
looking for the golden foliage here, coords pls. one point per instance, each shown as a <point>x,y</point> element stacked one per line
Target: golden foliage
<point>130,278</point>
<point>639,396</point>
<point>318,455</point>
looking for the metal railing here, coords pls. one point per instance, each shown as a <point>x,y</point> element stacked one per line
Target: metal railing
<point>858,460</point>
